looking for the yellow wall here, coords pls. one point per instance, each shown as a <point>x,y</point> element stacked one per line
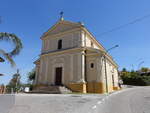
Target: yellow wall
<point>116,88</point>
<point>77,87</point>
<point>95,87</point>
<point>90,87</point>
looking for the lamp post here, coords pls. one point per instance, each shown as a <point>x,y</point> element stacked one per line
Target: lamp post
<point>106,65</point>
<point>139,65</point>
<point>17,80</point>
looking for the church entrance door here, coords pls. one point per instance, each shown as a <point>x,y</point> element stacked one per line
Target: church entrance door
<point>58,76</point>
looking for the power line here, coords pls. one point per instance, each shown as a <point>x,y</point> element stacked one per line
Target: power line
<point>0,19</point>
<point>125,25</point>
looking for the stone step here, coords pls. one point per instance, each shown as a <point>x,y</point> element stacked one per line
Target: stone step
<point>51,90</point>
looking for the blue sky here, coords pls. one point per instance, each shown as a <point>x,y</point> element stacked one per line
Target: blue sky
<point>28,19</point>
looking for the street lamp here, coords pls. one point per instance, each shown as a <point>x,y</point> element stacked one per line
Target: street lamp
<point>139,65</point>
<point>17,81</point>
<point>106,66</point>
<point>111,48</point>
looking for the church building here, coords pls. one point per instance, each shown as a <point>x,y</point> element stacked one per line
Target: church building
<point>72,57</point>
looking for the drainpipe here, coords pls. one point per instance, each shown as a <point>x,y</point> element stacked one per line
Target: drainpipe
<point>106,65</point>
<point>85,63</point>
<point>106,74</point>
<point>85,66</point>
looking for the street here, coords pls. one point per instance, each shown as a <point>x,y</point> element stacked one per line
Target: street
<point>6,103</point>
<point>49,103</point>
<point>134,100</point>
<point>131,100</point>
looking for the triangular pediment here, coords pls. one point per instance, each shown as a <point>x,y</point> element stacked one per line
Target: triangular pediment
<point>62,26</point>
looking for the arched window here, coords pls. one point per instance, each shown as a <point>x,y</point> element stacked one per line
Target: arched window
<point>92,65</point>
<point>59,44</point>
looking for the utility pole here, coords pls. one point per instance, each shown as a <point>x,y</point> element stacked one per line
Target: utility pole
<point>106,65</point>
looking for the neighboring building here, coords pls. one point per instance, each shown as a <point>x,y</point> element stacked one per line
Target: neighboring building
<point>2,89</point>
<point>72,57</point>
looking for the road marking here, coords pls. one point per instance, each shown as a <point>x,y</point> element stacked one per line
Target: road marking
<point>99,102</point>
<point>94,107</point>
<point>103,99</point>
<point>107,97</point>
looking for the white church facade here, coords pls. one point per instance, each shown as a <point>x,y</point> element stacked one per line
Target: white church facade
<point>73,58</point>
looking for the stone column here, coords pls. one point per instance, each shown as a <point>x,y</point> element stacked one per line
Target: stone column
<point>82,79</point>
<point>46,70</point>
<point>36,74</point>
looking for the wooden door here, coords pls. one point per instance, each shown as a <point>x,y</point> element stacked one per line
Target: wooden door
<point>58,76</point>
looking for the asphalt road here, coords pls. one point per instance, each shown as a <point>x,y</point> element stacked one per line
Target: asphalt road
<point>133,100</point>
<point>48,103</point>
<point>6,103</point>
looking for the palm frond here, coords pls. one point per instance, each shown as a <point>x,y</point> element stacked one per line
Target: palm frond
<point>1,59</point>
<point>13,38</point>
<point>7,57</point>
<point>1,74</point>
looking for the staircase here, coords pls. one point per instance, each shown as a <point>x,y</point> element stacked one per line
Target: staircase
<point>51,90</point>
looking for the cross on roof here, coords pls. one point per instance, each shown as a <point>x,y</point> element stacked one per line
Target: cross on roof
<point>61,15</point>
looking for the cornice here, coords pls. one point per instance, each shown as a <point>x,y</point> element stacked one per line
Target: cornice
<point>92,37</point>
<point>62,51</point>
<point>102,53</point>
<point>77,25</point>
<point>61,33</point>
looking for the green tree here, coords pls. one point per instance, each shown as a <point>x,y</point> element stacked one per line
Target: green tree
<point>31,75</point>
<point>144,69</point>
<point>14,83</point>
<point>31,78</point>
<point>124,70</point>
<point>18,46</point>
<point>135,78</point>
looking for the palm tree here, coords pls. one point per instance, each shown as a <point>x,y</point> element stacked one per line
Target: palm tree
<point>8,55</point>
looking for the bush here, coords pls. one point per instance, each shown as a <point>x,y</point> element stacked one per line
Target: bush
<point>134,78</point>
